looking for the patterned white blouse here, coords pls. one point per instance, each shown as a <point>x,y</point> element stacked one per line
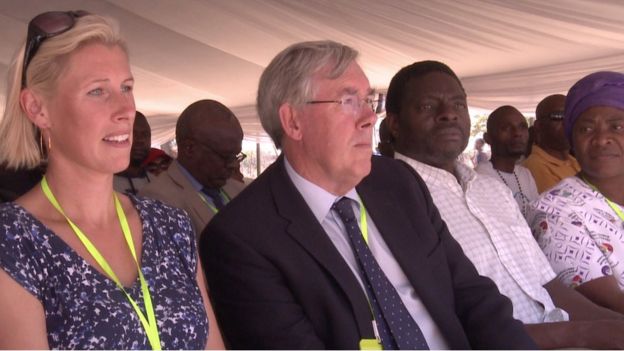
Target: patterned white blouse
<point>582,237</point>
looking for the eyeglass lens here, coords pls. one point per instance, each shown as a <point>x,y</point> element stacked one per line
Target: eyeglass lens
<point>556,116</point>
<point>355,104</point>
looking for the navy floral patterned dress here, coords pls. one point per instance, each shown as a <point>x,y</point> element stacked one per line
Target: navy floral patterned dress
<point>83,308</point>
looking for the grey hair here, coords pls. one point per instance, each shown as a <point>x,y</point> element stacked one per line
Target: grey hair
<point>288,78</point>
<point>19,144</point>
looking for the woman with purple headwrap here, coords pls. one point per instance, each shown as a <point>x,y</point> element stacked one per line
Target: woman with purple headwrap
<point>580,222</point>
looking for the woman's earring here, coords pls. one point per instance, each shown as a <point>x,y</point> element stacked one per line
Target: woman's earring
<point>45,149</point>
<point>41,147</point>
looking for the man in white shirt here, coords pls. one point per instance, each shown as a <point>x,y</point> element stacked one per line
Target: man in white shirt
<point>428,115</point>
<point>508,135</point>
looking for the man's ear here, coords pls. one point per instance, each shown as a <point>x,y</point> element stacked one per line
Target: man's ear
<point>186,149</point>
<point>34,107</point>
<point>487,139</point>
<point>393,124</point>
<point>289,118</point>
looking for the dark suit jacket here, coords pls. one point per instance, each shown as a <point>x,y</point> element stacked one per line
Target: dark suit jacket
<point>277,281</point>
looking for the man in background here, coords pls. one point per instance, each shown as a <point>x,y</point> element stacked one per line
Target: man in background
<point>550,160</point>
<point>508,134</point>
<point>479,156</point>
<point>209,139</point>
<point>135,177</point>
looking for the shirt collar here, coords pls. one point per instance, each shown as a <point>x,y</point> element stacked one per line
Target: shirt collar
<point>438,176</point>
<point>318,199</point>
<point>548,157</point>
<point>194,183</point>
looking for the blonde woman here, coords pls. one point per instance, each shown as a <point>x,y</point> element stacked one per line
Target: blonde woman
<point>80,265</point>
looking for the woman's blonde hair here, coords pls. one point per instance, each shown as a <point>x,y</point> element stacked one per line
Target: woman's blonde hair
<point>20,145</point>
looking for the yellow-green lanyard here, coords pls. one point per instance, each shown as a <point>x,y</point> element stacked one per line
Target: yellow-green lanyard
<point>368,344</point>
<point>212,207</point>
<point>611,204</point>
<point>149,323</point>
<point>363,224</point>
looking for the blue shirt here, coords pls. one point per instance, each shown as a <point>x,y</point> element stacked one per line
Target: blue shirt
<point>197,186</point>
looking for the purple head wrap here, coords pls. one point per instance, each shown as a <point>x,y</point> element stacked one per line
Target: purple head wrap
<point>596,89</point>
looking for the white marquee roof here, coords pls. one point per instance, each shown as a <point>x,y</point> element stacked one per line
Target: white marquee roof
<point>506,52</point>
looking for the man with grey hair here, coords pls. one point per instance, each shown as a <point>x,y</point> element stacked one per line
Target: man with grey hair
<point>331,248</point>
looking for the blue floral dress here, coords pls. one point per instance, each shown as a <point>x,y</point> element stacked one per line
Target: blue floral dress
<point>83,308</point>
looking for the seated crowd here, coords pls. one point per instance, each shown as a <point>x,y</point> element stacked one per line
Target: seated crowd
<point>108,243</point>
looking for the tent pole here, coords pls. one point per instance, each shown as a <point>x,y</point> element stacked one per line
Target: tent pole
<point>258,158</point>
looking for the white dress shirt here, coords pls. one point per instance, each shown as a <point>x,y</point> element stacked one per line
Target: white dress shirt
<point>320,202</point>
<point>520,182</point>
<point>484,218</point>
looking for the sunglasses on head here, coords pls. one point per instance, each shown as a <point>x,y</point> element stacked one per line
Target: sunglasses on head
<point>44,26</point>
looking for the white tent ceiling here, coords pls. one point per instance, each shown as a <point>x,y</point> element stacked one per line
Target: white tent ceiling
<point>506,52</point>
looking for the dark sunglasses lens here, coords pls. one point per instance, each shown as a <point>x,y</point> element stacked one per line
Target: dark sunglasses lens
<point>44,26</point>
<point>52,23</point>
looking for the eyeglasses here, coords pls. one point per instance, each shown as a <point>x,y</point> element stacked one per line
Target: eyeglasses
<point>556,116</point>
<point>44,26</point>
<point>158,165</point>
<point>226,159</point>
<point>240,157</point>
<point>351,104</point>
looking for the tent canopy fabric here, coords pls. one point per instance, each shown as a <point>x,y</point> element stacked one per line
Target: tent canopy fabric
<point>505,52</point>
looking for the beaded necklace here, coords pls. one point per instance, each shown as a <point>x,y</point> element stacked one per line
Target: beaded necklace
<point>525,201</point>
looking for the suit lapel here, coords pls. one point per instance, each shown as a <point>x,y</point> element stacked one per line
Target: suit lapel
<point>308,232</point>
<point>404,242</point>
<point>408,246</point>
<point>199,208</point>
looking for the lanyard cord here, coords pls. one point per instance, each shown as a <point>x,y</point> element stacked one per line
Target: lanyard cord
<point>363,223</point>
<point>149,323</point>
<point>611,204</point>
<point>364,230</point>
<point>209,204</point>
